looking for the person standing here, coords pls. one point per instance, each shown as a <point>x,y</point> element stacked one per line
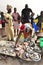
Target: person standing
<point>39,21</point>
<point>25,14</point>
<point>3,24</point>
<point>9,24</point>
<point>16,18</point>
<point>0,25</point>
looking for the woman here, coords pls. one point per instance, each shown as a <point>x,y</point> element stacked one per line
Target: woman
<point>9,24</point>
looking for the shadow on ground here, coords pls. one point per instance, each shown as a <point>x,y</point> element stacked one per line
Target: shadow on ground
<point>17,61</point>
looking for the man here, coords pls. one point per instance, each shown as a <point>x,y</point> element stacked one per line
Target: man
<point>39,21</point>
<point>26,14</point>
<point>9,24</point>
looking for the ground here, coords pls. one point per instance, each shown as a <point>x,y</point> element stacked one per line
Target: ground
<point>15,61</point>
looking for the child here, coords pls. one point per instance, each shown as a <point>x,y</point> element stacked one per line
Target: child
<point>16,18</point>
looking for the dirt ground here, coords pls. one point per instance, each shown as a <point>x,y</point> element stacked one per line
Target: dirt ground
<point>17,61</point>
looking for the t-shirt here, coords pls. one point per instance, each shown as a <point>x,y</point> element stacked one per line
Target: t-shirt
<point>40,20</point>
<point>26,14</point>
<point>15,16</point>
<point>24,27</point>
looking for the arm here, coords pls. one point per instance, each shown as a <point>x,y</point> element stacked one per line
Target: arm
<point>19,18</point>
<point>6,20</point>
<point>13,17</point>
<point>32,14</point>
<point>33,31</point>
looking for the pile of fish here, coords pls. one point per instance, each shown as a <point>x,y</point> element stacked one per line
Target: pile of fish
<point>28,51</point>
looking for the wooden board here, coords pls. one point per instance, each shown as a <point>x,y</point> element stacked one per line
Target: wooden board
<point>7,48</point>
<point>40,34</point>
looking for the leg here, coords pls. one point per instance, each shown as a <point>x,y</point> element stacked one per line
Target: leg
<point>12,34</point>
<point>0,32</point>
<point>17,31</point>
